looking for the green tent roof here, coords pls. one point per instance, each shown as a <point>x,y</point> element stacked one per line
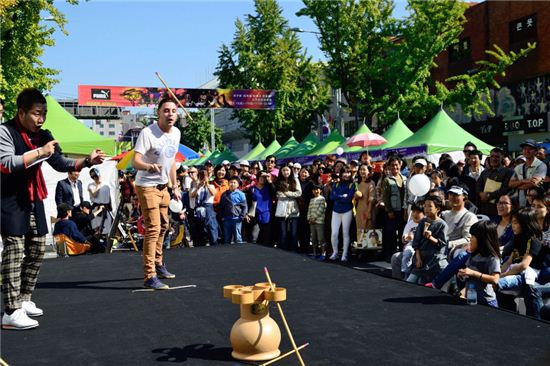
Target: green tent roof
<point>360,130</point>
<point>329,144</point>
<point>308,144</point>
<point>274,146</point>
<point>227,154</point>
<point>257,150</point>
<point>199,161</point>
<point>287,147</point>
<point>74,137</point>
<point>397,132</point>
<point>442,134</point>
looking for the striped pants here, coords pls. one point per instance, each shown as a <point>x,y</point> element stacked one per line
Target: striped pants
<point>21,260</point>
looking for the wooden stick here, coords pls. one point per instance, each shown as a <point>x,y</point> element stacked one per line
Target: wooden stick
<point>283,356</point>
<point>174,96</point>
<point>284,321</point>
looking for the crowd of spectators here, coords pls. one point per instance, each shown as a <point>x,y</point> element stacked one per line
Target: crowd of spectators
<point>485,219</point>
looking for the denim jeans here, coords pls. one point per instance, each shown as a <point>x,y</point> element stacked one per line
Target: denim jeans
<point>232,227</point>
<point>531,294</point>
<point>288,230</point>
<point>452,269</point>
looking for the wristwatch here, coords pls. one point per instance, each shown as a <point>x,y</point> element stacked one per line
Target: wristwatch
<point>88,162</point>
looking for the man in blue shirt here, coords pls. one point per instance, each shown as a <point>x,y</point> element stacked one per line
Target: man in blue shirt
<point>233,209</point>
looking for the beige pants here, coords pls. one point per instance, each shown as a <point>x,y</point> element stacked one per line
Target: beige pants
<point>154,208</point>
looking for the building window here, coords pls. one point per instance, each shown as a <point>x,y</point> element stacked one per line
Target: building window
<point>111,133</point>
<point>460,51</point>
<point>522,30</point>
<point>111,125</point>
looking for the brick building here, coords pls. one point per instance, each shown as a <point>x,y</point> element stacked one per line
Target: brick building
<point>522,104</point>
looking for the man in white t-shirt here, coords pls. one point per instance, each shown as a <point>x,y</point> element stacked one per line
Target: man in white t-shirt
<point>154,160</point>
<point>530,174</point>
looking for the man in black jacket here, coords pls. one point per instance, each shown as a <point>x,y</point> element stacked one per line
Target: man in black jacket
<point>23,225</point>
<point>69,190</point>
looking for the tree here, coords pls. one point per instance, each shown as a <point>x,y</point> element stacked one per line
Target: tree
<point>266,54</point>
<point>22,41</point>
<point>197,133</point>
<point>383,65</point>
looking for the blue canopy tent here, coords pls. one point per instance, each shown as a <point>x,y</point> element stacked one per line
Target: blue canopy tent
<point>188,153</point>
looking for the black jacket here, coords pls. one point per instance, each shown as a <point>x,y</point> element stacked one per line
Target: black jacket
<point>16,206</point>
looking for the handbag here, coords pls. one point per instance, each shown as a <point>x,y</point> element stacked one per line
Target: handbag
<point>200,210</point>
<point>282,208</point>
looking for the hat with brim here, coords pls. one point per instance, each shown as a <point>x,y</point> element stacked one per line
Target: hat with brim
<point>422,162</point>
<point>529,143</point>
<point>458,190</point>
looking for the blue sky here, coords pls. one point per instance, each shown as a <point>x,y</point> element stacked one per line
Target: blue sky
<point>125,42</point>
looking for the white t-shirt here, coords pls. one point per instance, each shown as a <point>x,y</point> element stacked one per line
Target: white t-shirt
<point>157,147</point>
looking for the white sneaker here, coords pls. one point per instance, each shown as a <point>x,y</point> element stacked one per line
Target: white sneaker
<point>334,257</point>
<point>18,320</point>
<point>31,309</point>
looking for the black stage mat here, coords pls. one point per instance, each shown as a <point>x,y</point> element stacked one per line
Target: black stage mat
<point>349,317</point>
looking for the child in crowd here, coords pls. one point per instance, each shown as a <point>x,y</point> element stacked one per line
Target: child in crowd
<point>483,266</point>
<point>429,243</point>
<point>519,271</point>
<point>233,209</point>
<point>316,219</point>
<point>402,261</point>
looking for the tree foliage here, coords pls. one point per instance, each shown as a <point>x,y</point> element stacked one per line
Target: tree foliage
<point>197,133</point>
<point>22,41</point>
<point>384,65</point>
<point>266,54</point>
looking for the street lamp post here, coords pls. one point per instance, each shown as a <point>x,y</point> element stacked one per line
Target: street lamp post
<point>300,30</point>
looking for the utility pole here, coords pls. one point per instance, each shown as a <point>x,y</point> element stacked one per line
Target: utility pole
<point>212,129</point>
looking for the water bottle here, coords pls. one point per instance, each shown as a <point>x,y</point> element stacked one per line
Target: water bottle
<point>471,294</point>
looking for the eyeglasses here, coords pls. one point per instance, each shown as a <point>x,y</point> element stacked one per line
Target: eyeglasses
<point>270,161</point>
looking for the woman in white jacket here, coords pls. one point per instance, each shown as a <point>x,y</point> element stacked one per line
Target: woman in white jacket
<point>287,211</point>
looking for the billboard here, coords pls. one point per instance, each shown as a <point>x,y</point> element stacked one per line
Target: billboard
<point>129,96</point>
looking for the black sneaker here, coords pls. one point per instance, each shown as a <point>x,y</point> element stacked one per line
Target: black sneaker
<point>162,272</point>
<point>155,284</point>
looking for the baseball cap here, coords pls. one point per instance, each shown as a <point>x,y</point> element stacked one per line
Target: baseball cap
<point>421,161</point>
<point>225,162</point>
<point>354,162</point>
<point>530,143</point>
<point>521,157</point>
<point>245,163</point>
<point>297,166</point>
<point>209,162</point>
<point>458,190</point>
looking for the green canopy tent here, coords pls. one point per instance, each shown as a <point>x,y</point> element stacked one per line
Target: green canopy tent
<point>397,132</point>
<point>287,147</point>
<point>308,144</point>
<point>274,146</point>
<point>441,134</point>
<point>74,137</point>
<point>329,145</point>
<point>227,154</point>
<point>257,150</point>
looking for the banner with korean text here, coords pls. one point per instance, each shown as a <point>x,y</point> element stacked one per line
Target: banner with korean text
<point>128,96</point>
